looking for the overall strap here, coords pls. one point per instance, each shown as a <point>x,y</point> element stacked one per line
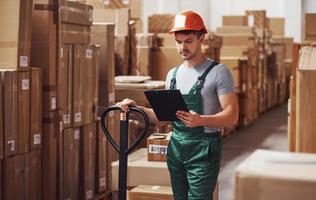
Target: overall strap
<point>201,79</point>
<point>173,84</point>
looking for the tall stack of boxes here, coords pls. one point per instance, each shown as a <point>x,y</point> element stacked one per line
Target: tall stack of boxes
<point>259,64</point>
<point>61,48</point>
<point>20,89</point>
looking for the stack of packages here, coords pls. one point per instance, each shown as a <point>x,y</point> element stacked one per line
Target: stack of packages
<point>70,64</point>
<point>239,53</point>
<point>20,105</point>
<point>309,38</point>
<point>260,64</point>
<point>148,162</point>
<point>282,46</point>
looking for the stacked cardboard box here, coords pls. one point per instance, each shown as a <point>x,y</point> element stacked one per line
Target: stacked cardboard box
<point>305,113</point>
<point>20,91</point>
<point>157,145</point>
<point>61,48</point>
<point>309,28</point>
<point>239,54</point>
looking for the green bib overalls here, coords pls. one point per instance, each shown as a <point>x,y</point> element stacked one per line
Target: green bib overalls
<point>193,156</point>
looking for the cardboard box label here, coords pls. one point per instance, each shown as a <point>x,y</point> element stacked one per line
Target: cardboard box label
<point>102,182</point>
<point>37,139</point>
<point>23,61</point>
<point>78,117</point>
<point>251,20</point>
<point>77,134</point>
<point>66,119</point>
<point>53,103</point>
<point>157,149</point>
<point>12,143</point>
<point>25,84</point>
<point>89,53</point>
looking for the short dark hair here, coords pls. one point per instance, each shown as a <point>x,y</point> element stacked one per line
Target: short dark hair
<point>188,32</point>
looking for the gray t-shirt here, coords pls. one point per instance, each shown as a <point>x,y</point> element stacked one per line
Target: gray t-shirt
<point>219,81</point>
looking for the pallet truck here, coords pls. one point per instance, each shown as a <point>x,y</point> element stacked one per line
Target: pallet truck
<point>123,148</point>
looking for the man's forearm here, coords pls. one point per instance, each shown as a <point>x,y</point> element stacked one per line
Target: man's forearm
<point>221,119</point>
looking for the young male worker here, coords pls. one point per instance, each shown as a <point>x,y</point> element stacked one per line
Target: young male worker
<point>194,151</point>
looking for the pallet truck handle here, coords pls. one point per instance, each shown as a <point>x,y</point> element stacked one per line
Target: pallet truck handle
<point>123,148</point>
<point>110,138</point>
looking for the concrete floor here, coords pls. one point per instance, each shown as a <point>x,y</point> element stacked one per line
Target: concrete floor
<point>269,131</point>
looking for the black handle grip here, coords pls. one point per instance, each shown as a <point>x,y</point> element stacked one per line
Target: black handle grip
<point>110,138</point>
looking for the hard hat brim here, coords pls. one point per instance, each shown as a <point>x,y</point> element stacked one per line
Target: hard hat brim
<point>186,29</point>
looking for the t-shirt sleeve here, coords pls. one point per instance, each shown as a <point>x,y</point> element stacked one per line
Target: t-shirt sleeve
<point>224,81</point>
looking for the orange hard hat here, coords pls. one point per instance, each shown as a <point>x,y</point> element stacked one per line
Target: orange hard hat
<point>188,20</point>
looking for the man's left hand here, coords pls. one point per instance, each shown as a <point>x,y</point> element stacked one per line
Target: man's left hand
<point>190,119</point>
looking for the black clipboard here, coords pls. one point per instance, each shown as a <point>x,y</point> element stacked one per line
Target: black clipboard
<point>165,103</point>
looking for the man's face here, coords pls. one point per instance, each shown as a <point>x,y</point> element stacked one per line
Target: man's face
<point>188,45</point>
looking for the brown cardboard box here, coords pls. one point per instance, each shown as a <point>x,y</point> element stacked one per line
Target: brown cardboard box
<point>168,39</point>
<point>83,85</point>
<point>15,38</point>
<point>238,40</point>
<point>118,16</point>
<point>309,28</point>
<point>235,29</point>
<point>258,17</point>
<point>160,23</point>
<point>163,60</point>
<point>22,176</point>
<point>70,172</point>
<point>153,192</point>
<point>150,192</point>
<point>23,130</point>
<point>36,174</point>
<point>263,176</point>
<point>10,91</point>
<point>44,54</point>
<point>65,87</point>
<point>139,169</point>
<point>122,50</point>
<point>143,60</point>
<point>305,112</point>
<point>157,145</point>
<point>16,177</point>
<point>36,108</point>
<point>51,136</point>
<point>135,91</point>
<point>101,160</point>
<point>76,13</point>
<point>136,7</point>
<point>8,178</point>
<point>74,34</point>
<point>87,187</point>
<point>103,34</point>
<point>277,26</point>
<point>235,20</point>
<point>234,51</point>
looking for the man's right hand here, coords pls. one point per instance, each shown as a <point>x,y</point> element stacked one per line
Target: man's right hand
<point>125,103</point>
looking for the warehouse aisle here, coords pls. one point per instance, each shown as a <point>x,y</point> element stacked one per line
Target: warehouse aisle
<point>267,132</point>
